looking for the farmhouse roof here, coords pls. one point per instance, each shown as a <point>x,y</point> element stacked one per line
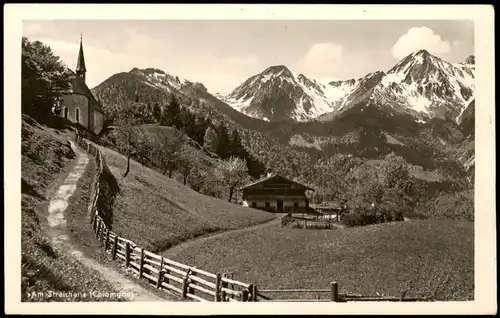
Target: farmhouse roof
<point>272,176</point>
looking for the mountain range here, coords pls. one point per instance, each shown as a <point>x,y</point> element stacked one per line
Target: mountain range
<point>422,109</point>
<point>421,84</point>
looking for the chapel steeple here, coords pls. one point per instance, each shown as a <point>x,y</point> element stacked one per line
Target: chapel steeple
<point>80,64</point>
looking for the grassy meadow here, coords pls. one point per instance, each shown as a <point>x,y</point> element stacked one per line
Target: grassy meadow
<point>430,258</point>
<point>157,212</point>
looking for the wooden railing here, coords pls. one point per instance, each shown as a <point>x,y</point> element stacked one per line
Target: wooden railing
<point>332,292</point>
<point>187,282</point>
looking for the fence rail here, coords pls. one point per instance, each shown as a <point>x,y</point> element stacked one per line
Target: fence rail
<point>188,282</point>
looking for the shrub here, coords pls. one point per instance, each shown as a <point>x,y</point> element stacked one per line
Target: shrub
<point>296,225</point>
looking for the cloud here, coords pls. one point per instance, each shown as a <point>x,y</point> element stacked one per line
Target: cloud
<point>458,43</point>
<point>322,59</point>
<point>419,38</point>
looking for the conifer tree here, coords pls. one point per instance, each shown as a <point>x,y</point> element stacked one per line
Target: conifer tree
<point>157,113</point>
<point>210,140</point>
<point>223,141</point>
<point>172,113</point>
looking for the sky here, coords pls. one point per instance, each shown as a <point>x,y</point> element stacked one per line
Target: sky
<point>222,54</point>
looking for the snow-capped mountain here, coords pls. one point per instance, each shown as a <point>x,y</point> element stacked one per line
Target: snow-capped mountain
<point>159,79</point>
<point>278,94</point>
<point>428,86</point>
<point>420,84</point>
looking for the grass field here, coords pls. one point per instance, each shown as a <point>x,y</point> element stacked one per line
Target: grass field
<point>426,257</point>
<point>46,158</point>
<point>157,212</point>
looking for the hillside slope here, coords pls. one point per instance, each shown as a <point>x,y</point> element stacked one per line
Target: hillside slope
<point>46,158</point>
<point>157,212</point>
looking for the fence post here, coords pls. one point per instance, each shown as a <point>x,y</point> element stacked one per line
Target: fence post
<point>160,274</point>
<point>191,290</point>
<point>106,243</point>
<point>92,216</point>
<point>334,291</point>
<point>244,295</point>
<point>98,228</point>
<point>166,272</point>
<point>141,263</point>
<point>101,239</point>
<point>254,293</point>
<point>185,282</point>
<point>403,295</point>
<point>232,284</point>
<point>217,287</point>
<point>224,285</point>
<point>250,292</point>
<point>115,245</point>
<point>127,254</point>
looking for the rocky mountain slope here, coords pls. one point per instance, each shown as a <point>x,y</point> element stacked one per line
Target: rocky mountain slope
<point>277,94</point>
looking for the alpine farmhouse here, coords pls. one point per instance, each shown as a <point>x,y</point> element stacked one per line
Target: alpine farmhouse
<point>277,194</point>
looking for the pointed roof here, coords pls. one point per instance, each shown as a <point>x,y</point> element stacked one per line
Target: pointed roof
<point>80,64</point>
<point>78,86</point>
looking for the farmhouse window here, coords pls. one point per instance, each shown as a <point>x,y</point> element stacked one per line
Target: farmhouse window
<point>268,204</point>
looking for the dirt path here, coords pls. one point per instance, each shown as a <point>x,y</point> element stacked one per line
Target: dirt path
<point>174,251</point>
<point>57,224</point>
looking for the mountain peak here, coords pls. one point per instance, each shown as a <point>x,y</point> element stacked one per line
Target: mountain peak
<point>422,52</point>
<point>470,60</point>
<point>279,70</point>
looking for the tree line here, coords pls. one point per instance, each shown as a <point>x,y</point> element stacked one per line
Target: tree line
<point>205,155</point>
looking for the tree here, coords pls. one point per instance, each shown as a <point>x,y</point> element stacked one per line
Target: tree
<point>44,79</point>
<point>167,151</point>
<point>200,129</point>
<point>236,148</point>
<point>210,140</point>
<point>157,112</point>
<point>223,141</point>
<point>233,172</point>
<point>187,161</point>
<point>255,167</point>
<point>172,113</point>
<point>142,145</point>
<point>125,135</point>
<point>188,122</point>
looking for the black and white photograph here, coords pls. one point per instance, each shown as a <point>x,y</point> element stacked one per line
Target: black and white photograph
<point>276,159</point>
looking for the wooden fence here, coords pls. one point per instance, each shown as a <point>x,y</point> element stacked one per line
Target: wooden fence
<point>309,222</point>
<point>187,282</point>
<point>332,293</point>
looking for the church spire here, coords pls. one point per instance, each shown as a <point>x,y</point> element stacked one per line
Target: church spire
<point>80,64</point>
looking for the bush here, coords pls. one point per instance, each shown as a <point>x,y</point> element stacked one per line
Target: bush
<point>296,225</point>
<point>361,218</point>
